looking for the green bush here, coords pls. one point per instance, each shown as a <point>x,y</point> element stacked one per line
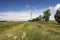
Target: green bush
<point>47,15</point>
<point>57,16</point>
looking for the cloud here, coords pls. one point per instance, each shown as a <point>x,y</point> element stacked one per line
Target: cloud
<point>27,6</point>
<point>53,10</point>
<point>26,15</point>
<point>17,16</point>
<point>57,6</point>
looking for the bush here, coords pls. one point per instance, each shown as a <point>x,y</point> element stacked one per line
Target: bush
<point>47,15</point>
<point>57,16</point>
<point>35,19</point>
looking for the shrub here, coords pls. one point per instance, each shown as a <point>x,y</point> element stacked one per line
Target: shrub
<point>47,15</point>
<point>57,16</point>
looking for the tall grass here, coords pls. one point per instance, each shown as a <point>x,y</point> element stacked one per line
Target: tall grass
<point>30,31</point>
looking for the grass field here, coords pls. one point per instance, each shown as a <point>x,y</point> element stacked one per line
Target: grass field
<point>29,31</point>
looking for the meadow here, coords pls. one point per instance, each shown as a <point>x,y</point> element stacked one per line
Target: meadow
<point>29,31</point>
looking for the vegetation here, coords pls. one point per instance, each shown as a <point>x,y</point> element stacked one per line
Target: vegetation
<point>29,31</point>
<point>35,19</point>
<point>57,16</point>
<point>37,29</point>
<point>47,15</point>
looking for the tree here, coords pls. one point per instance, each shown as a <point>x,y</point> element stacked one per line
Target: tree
<point>57,16</point>
<point>35,19</point>
<point>47,15</point>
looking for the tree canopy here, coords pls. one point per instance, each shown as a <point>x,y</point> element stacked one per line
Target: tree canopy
<point>46,15</point>
<point>57,16</point>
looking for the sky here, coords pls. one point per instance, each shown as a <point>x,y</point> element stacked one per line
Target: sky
<point>20,10</point>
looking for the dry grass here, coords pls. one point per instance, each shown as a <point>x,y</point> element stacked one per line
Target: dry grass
<point>30,31</point>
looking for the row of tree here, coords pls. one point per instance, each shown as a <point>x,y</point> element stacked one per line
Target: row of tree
<point>47,15</point>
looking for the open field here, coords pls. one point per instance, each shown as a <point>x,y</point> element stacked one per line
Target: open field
<point>29,31</point>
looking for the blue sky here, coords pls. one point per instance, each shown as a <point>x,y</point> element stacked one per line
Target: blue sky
<point>18,5</point>
<point>20,8</point>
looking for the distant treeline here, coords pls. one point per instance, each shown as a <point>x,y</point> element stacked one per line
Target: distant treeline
<point>47,15</point>
<point>3,21</point>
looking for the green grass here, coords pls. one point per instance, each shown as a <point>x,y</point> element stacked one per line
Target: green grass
<point>29,31</point>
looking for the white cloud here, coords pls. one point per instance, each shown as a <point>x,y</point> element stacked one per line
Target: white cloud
<point>53,10</point>
<point>27,6</point>
<point>26,15</point>
<point>17,16</point>
<point>57,6</point>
